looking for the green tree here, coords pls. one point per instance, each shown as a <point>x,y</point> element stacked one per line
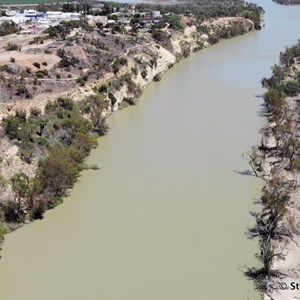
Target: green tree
<point>85,143</point>
<point>58,171</point>
<point>20,184</point>
<point>275,100</point>
<point>11,126</point>
<point>175,22</point>
<point>8,27</point>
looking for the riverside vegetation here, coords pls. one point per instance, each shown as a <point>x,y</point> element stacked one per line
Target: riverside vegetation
<point>66,132</point>
<point>277,162</point>
<point>44,139</point>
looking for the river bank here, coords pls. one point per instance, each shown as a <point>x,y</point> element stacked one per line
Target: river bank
<point>277,160</point>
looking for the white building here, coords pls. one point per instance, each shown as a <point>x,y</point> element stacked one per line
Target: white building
<point>18,19</point>
<point>101,19</point>
<point>155,13</point>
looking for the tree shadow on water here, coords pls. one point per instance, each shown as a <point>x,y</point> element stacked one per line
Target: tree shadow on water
<point>245,172</point>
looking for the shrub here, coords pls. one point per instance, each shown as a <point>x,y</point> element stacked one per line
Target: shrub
<point>26,155</point>
<point>67,59</point>
<point>153,62</point>
<point>65,63</point>
<point>102,88</point>
<point>12,60</point>
<point>41,73</point>
<point>291,88</point>
<point>6,68</point>
<point>115,84</point>
<point>65,103</point>
<point>12,212</point>
<point>138,60</point>
<point>85,143</point>
<point>82,79</point>
<point>37,40</point>
<point>129,100</point>
<point>126,77</point>
<point>118,63</point>
<point>21,114</point>
<point>22,90</point>
<point>213,39</point>
<point>56,201</point>
<point>157,77</point>
<point>135,70</point>
<point>144,73</point>
<point>12,47</point>
<point>37,65</point>
<point>117,28</point>
<point>41,141</point>
<point>35,112</point>
<point>39,210</point>
<point>159,35</point>
<point>11,126</point>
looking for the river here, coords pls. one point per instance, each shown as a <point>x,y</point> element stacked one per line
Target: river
<point>165,216</point>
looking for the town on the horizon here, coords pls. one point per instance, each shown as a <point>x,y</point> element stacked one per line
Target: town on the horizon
<point>113,17</point>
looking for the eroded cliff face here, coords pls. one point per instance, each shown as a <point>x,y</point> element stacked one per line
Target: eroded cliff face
<point>183,44</point>
<point>145,63</point>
